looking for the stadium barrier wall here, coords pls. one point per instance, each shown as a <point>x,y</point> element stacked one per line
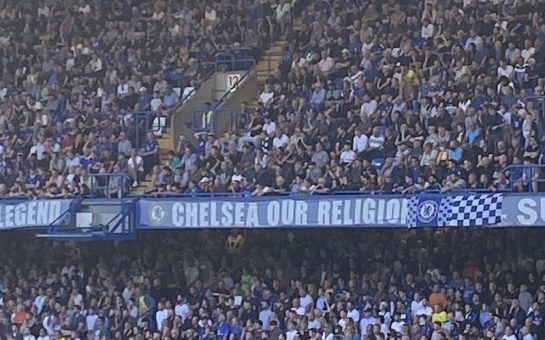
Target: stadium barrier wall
<point>378,211</point>
<point>288,211</point>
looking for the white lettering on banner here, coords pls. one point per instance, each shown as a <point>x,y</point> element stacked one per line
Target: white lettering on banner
<point>369,214</point>
<point>380,212</point>
<point>9,216</point>
<point>336,212</point>
<point>227,218</point>
<point>347,219</point>
<point>177,211</point>
<point>29,214</point>
<point>203,215</point>
<point>324,212</point>
<point>392,211</point>
<point>357,211</point>
<point>273,214</point>
<point>193,215</point>
<point>301,213</point>
<point>214,214</point>
<point>529,214</point>
<point>287,212</point>
<point>252,220</point>
<point>32,213</point>
<point>239,214</point>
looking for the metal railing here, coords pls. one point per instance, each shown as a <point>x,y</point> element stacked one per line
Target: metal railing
<point>236,59</point>
<point>326,193</point>
<point>524,176</point>
<point>197,121</point>
<point>110,185</point>
<point>143,123</point>
<point>209,72</point>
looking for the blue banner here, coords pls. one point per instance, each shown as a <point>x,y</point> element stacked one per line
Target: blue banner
<point>524,210</point>
<point>31,213</point>
<point>273,212</point>
<point>424,210</point>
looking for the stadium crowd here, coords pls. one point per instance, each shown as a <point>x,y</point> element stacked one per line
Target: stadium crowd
<point>331,285</point>
<point>71,70</point>
<point>389,96</point>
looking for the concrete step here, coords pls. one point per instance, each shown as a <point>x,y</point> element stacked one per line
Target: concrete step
<point>165,143</point>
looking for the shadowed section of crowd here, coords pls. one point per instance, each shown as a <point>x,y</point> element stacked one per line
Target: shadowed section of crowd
<point>334,285</point>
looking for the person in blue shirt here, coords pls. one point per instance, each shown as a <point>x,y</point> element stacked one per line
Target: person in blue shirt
<point>455,151</point>
<point>150,152</point>
<point>318,95</point>
<point>171,98</point>
<point>223,328</point>
<point>144,100</point>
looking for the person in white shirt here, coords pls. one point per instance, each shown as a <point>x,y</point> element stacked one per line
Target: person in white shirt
<point>473,39</point>
<point>376,140</point>
<point>347,155</point>
<point>326,64</point>
<point>509,334</point>
<point>40,299</point>
<point>505,70</point>
<point>352,312</point>
<point>416,304</point>
<point>425,309</point>
<point>360,141</point>
<point>526,335</point>
<point>123,88</point>
<point>181,308</point>
<point>292,330</point>
<point>161,315</point>
<point>281,140</point>
<point>369,106</point>
<point>297,307</point>
<point>306,300</point>
<point>269,126</point>
<point>267,95</point>
<point>135,167</point>
<point>313,322</point>
<point>397,324</point>
<point>156,102</point>
<point>528,50</point>
<point>428,30</point>
<point>91,319</point>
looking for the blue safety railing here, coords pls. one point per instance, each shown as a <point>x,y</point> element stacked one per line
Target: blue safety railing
<point>329,193</point>
<point>118,227</point>
<point>523,176</point>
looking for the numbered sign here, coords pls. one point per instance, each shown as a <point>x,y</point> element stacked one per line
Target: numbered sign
<point>232,80</point>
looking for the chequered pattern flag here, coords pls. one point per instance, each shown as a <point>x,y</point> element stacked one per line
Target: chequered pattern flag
<point>471,210</point>
<point>462,210</point>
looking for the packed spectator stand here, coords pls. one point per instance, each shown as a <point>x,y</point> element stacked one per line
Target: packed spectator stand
<point>386,97</point>
<point>74,72</point>
<point>341,285</point>
<point>373,96</point>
